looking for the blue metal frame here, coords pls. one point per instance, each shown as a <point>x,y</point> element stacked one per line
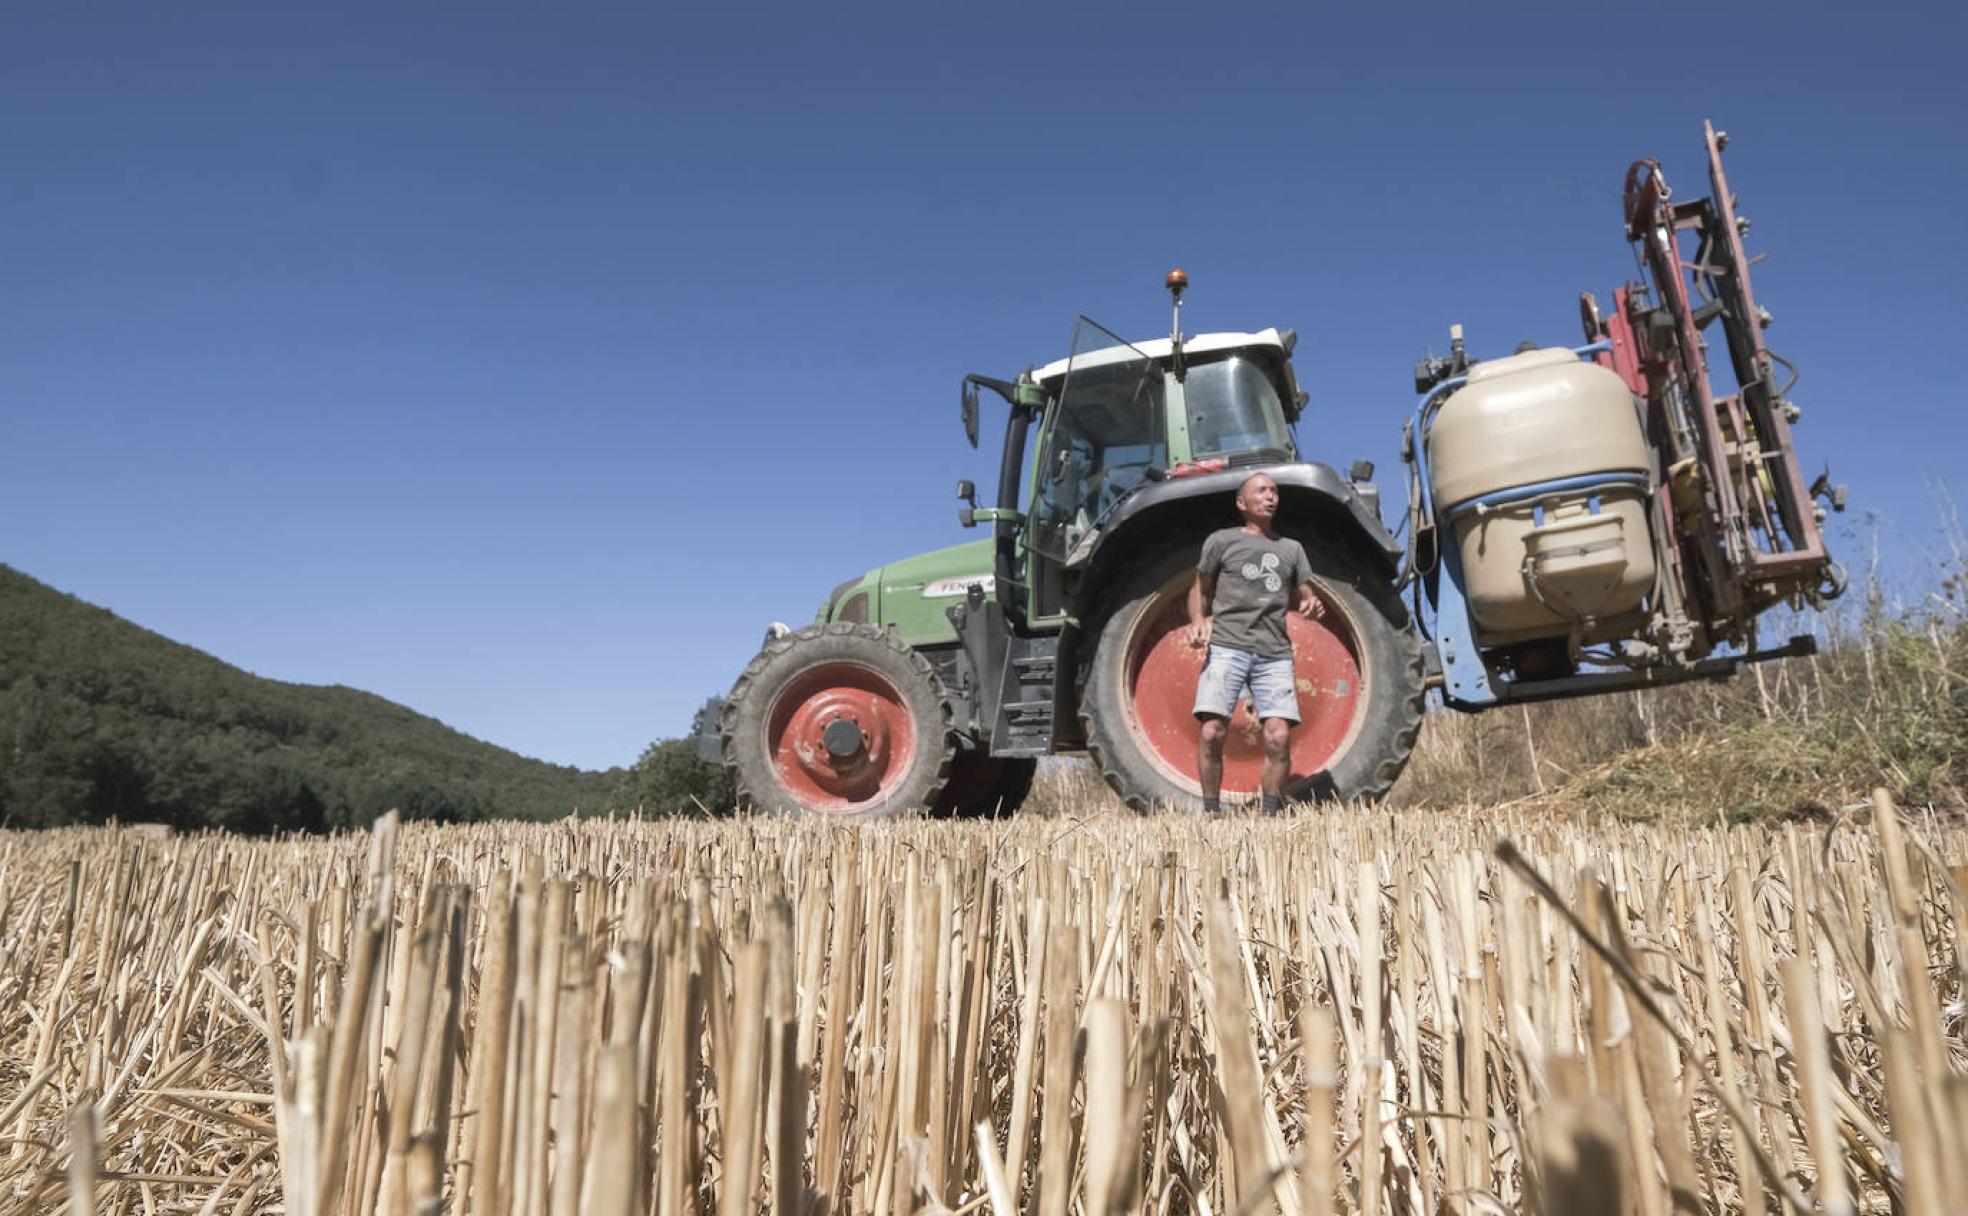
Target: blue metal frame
<point>1465,677</point>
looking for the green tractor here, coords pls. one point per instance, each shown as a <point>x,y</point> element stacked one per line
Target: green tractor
<point>1582,520</point>
<point>937,681</point>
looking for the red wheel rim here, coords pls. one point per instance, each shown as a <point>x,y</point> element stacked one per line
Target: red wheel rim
<point>1162,669</point>
<point>866,755</point>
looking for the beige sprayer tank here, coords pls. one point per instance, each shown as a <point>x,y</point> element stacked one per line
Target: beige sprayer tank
<point>1541,567</point>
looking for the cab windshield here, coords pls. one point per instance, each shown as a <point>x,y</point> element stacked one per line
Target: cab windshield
<point>1236,408</point>
<point>1108,429</point>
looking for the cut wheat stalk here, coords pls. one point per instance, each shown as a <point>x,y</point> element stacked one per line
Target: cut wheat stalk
<point>1363,1012</point>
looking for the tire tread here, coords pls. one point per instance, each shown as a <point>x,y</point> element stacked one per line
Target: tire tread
<point>774,647</point>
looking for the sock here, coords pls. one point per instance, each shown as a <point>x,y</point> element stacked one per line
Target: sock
<point>1273,804</point>
<point>1212,806</point>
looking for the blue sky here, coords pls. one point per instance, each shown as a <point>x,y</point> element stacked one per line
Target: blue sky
<point>521,364</point>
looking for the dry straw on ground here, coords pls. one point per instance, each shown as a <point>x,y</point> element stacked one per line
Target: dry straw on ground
<point>1350,1011</point>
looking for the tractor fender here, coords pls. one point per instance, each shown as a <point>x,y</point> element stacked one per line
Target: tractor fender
<point>1307,493</point>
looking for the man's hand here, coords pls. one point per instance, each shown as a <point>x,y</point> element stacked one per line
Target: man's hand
<point>1309,604</point>
<point>1202,593</point>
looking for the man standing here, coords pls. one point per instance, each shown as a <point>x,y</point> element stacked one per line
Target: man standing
<point>1246,580</point>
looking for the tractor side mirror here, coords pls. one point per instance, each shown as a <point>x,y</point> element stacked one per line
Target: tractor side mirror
<point>970,412</point>
<point>1012,393</point>
<point>967,494</point>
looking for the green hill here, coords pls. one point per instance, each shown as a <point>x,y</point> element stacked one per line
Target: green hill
<point>101,719</point>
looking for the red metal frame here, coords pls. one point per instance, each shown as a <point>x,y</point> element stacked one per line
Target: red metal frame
<point>1748,548</point>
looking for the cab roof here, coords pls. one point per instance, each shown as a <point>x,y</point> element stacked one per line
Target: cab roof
<point>1160,349</point>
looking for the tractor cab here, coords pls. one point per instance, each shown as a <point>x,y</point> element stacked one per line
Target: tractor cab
<point>1126,416</point>
<point>1116,418</point>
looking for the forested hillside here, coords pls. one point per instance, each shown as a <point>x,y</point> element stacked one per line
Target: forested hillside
<point>100,719</point>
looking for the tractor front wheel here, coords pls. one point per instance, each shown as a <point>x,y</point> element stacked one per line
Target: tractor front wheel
<point>1358,669</point>
<point>841,720</point>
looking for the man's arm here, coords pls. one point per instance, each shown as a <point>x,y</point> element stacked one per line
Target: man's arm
<point>1202,593</point>
<point>1305,601</point>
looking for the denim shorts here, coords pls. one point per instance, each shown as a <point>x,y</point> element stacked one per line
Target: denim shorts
<point>1229,673</point>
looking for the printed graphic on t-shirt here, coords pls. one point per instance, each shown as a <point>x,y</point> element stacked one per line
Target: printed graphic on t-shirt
<point>1265,572</point>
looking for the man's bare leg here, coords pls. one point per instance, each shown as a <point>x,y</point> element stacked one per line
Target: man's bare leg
<point>1209,760</point>
<point>1277,763</point>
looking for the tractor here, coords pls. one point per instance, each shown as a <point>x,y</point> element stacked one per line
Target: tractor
<point>1579,520</point>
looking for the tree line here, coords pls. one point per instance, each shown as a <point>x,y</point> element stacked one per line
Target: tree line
<point>101,719</point>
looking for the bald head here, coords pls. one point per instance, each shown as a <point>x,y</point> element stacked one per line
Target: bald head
<point>1257,501</point>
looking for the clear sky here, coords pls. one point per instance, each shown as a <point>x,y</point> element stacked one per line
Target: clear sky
<point>521,364</point>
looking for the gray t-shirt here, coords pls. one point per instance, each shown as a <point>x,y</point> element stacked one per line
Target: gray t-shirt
<point>1256,577</point>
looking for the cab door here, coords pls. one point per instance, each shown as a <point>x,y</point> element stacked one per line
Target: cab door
<point>1106,429</point>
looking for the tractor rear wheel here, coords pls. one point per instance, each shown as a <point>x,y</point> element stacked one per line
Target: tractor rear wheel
<point>982,785</point>
<point>1359,675</point>
<point>842,720</point>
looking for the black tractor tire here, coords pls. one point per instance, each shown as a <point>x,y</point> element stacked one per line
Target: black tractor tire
<point>983,786</point>
<point>1391,675</point>
<point>760,728</point>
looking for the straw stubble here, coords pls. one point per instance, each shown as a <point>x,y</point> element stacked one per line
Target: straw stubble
<point>1361,1012</point>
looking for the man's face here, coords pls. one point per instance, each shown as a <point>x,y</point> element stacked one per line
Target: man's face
<point>1257,500</point>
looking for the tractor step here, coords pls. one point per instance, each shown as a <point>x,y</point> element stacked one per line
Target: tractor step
<point>1034,669</point>
<point>1025,707</point>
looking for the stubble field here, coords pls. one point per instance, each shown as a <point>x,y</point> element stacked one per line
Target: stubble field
<point>1353,1010</point>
